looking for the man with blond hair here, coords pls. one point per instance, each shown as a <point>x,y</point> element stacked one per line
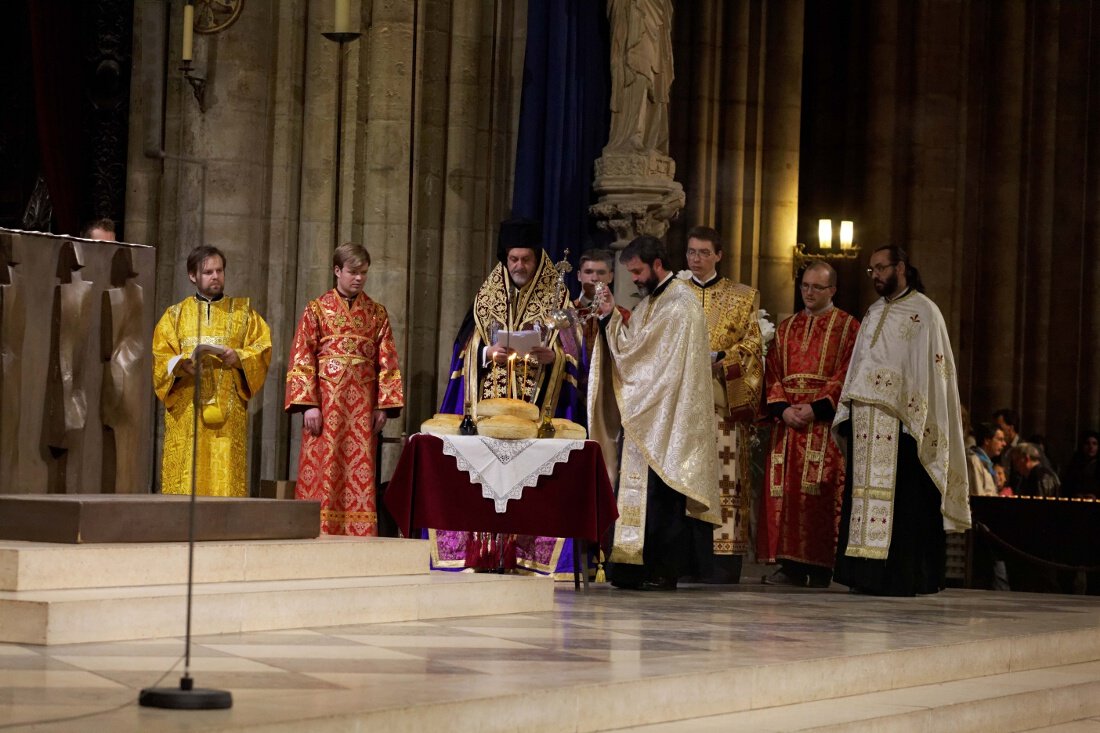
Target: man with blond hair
<point>344,379</point>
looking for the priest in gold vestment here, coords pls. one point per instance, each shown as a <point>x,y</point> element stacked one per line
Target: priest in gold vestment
<point>236,351</point>
<point>737,378</point>
<point>651,379</point>
<point>518,295</point>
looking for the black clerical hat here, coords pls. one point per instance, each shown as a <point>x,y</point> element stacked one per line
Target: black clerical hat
<point>524,233</point>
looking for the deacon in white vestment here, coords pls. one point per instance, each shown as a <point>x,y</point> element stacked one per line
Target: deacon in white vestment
<point>907,465</point>
<point>651,378</point>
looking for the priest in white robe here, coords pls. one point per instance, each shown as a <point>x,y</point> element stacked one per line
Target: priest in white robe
<point>650,377</point>
<point>907,479</point>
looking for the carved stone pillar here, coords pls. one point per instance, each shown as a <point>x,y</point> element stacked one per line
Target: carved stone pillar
<point>635,175</point>
<point>637,196</point>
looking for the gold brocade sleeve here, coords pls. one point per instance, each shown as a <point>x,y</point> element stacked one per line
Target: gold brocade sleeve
<point>390,390</point>
<point>735,329</point>
<point>301,374</point>
<point>166,346</point>
<point>254,354</point>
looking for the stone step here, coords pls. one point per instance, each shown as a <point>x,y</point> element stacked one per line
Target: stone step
<point>1007,683</point>
<point>157,611</point>
<point>1015,701</point>
<point>101,518</point>
<point>26,566</point>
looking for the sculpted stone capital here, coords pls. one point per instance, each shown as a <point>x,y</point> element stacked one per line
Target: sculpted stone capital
<point>638,194</point>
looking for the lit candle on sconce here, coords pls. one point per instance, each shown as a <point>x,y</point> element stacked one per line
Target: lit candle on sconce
<point>847,234</point>
<point>188,32</point>
<point>825,233</point>
<point>342,15</point>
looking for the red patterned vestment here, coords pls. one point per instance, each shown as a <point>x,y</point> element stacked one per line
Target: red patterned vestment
<point>344,361</point>
<point>805,469</point>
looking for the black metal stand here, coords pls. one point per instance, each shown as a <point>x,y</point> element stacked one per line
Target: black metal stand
<point>187,696</point>
<point>341,39</point>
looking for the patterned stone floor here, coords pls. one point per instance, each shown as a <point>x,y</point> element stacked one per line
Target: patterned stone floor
<point>593,644</point>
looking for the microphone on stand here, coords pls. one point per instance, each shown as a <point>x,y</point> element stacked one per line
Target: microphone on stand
<point>187,696</point>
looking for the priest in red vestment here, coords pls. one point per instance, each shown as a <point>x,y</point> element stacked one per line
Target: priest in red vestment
<point>343,377</point>
<point>804,373</point>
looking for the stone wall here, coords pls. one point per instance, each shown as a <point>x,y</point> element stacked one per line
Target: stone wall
<point>427,146</point>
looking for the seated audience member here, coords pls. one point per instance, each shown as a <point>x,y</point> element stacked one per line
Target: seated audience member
<point>1003,489</point>
<point>1080,477</point>
<point>989,442</point>
<point>1040,441</point>
<point>1037,480</point>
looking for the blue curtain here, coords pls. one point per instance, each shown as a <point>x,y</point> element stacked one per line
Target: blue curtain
<point>564,121</point>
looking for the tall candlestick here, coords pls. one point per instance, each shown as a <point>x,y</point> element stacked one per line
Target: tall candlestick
<point>342,13</point>
<point>188,31</point>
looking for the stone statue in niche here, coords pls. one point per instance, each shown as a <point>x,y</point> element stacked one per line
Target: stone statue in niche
<point>66,407</point>
<point>12,324</point>
<point>641,74</point>
<point>122,397</point>
<point>635,179</point>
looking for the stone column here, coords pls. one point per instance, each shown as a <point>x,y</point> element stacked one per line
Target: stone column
<point>768,264</point>
<point>736,133</point>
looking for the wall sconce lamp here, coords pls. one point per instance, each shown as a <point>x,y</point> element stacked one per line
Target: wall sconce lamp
<point>847,234</point>
<point>198,83</point>
<point>825,250</point>
<point>825,233</point>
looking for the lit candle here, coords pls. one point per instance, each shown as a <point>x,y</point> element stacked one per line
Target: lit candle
<point>188,31</point>
<point>511,363</point>
<point>342,12</point>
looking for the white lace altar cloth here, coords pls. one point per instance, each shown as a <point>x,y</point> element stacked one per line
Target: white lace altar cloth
<point>504,468</point>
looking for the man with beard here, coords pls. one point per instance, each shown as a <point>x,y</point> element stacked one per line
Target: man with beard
<point>907,466</point>
<point>235,353</point>
<point>517,295</point>
<point>650,378</point>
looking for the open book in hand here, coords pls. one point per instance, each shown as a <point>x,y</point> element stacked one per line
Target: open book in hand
<point>200,351</point>
<point>521,341</point>
<point>203,349</point>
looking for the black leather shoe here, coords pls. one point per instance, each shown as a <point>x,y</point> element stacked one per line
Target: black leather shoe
<point>781,578</point>
<point>660,584</point>
<point>627,586</point>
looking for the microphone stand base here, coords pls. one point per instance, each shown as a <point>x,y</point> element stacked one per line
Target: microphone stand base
<point>185,697</point>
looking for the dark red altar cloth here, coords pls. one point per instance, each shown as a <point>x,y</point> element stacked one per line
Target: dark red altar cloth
<point>428,490</point>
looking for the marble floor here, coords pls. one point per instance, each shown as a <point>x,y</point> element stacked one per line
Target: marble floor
<point>602,659</point>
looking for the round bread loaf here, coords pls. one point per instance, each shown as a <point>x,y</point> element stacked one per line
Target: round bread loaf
<point>441,424</point>
<point>568,430</point>
<point>507,406</point>
<point>507,427</point>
